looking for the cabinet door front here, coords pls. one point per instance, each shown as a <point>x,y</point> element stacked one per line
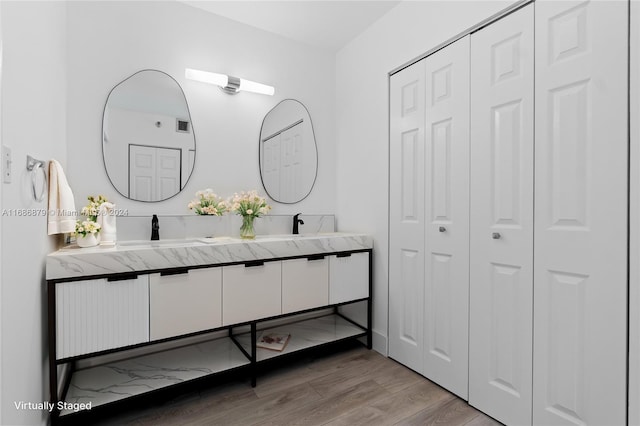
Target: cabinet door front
<point>98,315</point>
<point>501,287</point>
<point>581,182</point>
<point>348,277</point>
<point>305,284</point>
<point>251,291</point>
<point>185,303</point>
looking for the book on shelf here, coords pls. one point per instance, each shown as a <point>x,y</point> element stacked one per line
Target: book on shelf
<point>273,341</point>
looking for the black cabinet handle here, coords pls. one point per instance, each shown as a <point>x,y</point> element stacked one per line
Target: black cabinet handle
<point>316,257</point>
<point>124,277</point>
<point>343,255</point>
<point>177,271</point>
<point>255,263</point>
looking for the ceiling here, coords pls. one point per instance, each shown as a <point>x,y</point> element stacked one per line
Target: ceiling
<point>327,24</point>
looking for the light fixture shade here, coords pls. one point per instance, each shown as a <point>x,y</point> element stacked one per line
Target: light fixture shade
<point>229,84</point>
<point>206,77</point>
<point>252,86</point>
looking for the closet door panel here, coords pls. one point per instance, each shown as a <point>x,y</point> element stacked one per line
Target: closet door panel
<point>580,316</point>
<point>406,246</point>
<point>501,288</point>
<point>447,217</point>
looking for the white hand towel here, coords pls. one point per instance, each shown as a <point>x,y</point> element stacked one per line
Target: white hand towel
<point>62,207</point>
<point>107,221</point>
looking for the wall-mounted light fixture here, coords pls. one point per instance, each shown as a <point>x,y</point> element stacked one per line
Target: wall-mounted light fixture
<point>227,83</point>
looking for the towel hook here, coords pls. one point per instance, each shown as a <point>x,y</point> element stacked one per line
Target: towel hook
<point>33,165</point>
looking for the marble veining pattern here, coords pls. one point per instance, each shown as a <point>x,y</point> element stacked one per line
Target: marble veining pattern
<point>73,261</point>
<point>305,334</point>
<point>118,380</point>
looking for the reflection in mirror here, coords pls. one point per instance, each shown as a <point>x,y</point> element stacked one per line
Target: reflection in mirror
<point>148,144</point>
<point>288,152</point>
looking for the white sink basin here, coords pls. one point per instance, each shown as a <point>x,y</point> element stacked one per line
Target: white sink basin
<point>216,240</point>
<point>259,238</point>
<point>162,243</point>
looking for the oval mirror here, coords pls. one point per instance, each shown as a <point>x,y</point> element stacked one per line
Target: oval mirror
<point>288,152</point>
<point>148,144</point>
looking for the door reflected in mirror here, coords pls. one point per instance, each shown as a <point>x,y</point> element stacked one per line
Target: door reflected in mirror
<point>148,144</point>
<point>288,152</point>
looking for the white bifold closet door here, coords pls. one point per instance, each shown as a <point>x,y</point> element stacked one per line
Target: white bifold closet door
<point>446,318</point>
<point>429,218</point>
<point>501,287</point>
<point>580,241</point>
<point>406,217</point>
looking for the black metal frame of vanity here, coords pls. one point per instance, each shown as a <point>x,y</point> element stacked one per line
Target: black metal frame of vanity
<point>235,332</point>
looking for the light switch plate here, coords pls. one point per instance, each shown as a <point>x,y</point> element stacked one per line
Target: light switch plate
<point>6,164</point>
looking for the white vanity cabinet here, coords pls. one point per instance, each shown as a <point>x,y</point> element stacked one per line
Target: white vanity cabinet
<point>251,291</point>
<point>305,283</point>
<point>185,302</point>
<point>101,314</point>
<point>196,310</point>
<point>348,277</point>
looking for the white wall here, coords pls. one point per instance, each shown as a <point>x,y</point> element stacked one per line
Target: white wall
<point>362,132</point>
<point>33,122</point>
<point>1,185</point>
<point>109,41</point>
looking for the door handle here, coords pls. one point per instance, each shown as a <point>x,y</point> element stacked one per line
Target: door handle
<point>442,229</point>
<point>496,236</point>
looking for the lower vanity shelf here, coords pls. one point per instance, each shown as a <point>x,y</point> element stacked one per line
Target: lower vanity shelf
<point>108,383</point>
<point>306,334</point>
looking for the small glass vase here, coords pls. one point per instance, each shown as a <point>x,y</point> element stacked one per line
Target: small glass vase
<point>246,230</point>
<point>89,240</point>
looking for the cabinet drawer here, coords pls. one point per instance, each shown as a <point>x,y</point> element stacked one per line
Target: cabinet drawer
<point>251,292</point>
<point>305,284</point>
<point>348,277</point>
<point>98,315</point>
<point>185,303</point>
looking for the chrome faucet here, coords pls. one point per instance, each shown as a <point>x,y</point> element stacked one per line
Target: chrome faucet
<point>155,226</point>
<point>296,221</point>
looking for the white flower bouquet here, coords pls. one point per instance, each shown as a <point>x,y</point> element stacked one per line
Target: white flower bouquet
<point>91,210</point>
<point>87,227</point>
<point>249,204</point>
<point>208,203</point>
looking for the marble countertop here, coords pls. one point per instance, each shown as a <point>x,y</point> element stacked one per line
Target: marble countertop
<point>141,256</point>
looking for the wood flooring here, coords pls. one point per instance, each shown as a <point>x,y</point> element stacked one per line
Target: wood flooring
<point>352,387</point>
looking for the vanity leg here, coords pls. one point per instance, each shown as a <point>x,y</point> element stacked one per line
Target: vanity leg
<point>53,367</point>
<point>370,304</point>
<point>254,367</point>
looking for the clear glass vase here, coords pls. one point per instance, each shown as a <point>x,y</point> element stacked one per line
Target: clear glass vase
<point>246,230</point>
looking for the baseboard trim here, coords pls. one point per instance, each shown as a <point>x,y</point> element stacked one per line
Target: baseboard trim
<point>380,343</point>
